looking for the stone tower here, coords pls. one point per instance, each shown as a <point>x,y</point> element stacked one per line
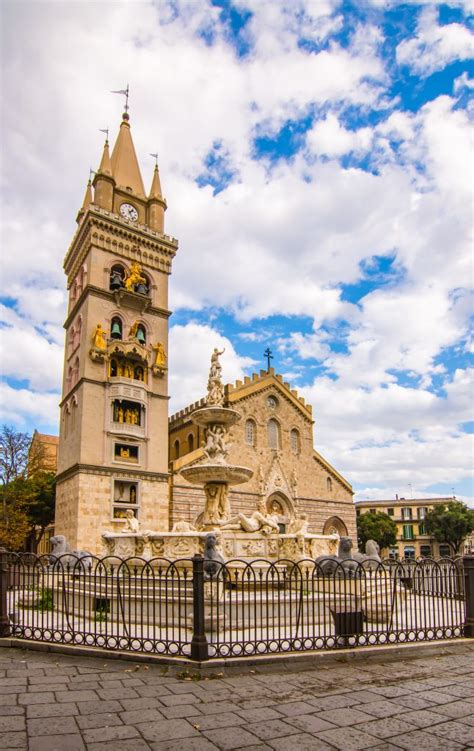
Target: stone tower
<point>113,445</point>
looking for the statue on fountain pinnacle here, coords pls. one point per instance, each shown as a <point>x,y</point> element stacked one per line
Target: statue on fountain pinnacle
<point>215,387</point>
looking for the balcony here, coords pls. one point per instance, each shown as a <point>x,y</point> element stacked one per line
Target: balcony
<point>128,388</point>
<point>125,428</point>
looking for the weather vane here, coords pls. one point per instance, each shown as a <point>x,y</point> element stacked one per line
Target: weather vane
<point>155,157</point>
<point>91,172</point>
<point>106,131</point>
<point>269,356</point>
<point>125,92</point>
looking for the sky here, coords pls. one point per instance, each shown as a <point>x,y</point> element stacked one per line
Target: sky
<point>316,156</point>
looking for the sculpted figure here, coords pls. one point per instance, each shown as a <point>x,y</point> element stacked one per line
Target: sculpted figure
<point>99,339</point>
<point>259,520</point>
<point>78,561</point>
<point>183,526</point>
<point>134,277</point>
<point>216,446</point>
<point>216,367</point>
<point>131,522</point>
<point>299,526</point>
<point>331,564</point>
<point>213,560</point>
<point>160,355</point>
<point>371,558</point>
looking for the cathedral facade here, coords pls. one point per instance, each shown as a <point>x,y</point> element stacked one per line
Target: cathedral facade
<point>117,450</point>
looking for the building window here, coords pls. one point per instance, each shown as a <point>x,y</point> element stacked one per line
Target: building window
<point>421,511</point>
<point>390,511</point>
<point>409,551</point>
<point>273,430</point>
<point>408,532</point>
<point>295,442</point>
<point>407,513</point>
<point>125,499</point>
<point>421,529</point>
<point>191,442</point>
<point>372,510</point>
<point>329,484</point>
<point>126,412</point>
<point>393,554</point>
<point>425,551</point>
<point>250,430</point>
<point>125,452</point>
<point>445,551</point>
<point>176,449</point>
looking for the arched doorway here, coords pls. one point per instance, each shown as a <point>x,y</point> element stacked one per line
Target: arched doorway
<point>335,525</point>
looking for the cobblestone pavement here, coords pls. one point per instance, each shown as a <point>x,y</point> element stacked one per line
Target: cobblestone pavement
<point>54,702</point>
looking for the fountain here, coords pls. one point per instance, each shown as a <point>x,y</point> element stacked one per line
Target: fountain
<point>241,537</point>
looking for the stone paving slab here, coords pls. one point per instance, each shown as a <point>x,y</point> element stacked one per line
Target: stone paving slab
<point>54,702</point>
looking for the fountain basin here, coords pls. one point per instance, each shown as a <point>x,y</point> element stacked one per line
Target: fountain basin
<point>228,474</point>
<point>215,416</point>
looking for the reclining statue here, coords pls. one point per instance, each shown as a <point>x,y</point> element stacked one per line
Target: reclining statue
<point>343,562</point>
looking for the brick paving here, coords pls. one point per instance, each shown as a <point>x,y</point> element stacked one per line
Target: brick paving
<point>55,702</point>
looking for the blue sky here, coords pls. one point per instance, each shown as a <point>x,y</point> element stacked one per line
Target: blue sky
<point>316,158</point>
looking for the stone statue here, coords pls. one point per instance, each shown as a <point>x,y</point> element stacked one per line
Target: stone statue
<point>299,526</point>
<point>371,558</point>
<point>99,338</point>
<point>216,368</point>
<point>131,522</point>
<point>183,527</point>
<point>77,561</point>
<point>259,521</point>
<point>217,503</point>
<point>343,562</point>
<point>216,447</point>
<point>215,388</point>
<point>213,560</point>
<point>134,277</point>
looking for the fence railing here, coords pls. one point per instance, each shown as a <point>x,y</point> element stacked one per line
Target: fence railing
<point>176,608</point>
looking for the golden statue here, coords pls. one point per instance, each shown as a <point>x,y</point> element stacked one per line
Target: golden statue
<point>160,361</point>
<point>134,277</point>
<point>133,330</point>
<point>125,453</point>
<point>99,339</point>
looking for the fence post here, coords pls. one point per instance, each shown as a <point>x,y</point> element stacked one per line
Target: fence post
<point>468,565</point>
<point>199,646</point>
<point>5,629</point>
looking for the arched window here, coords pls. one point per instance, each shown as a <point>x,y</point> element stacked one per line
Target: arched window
<point>77,337</point>
<point>273,429</point>
<point>176,449</point>
<point>117,276</point>
<point>295,442</point>
<point>329,485</point>
<point>75,376</point>
<point>69,378</point>
<point>70,341</point>
<point>250,433</point>
<point>113,368</point>
<point>191,442</point>
<point>116,328</point>
<point>143,288</point>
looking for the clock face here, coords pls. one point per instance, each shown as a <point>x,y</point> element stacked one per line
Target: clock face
<point>129,212</point>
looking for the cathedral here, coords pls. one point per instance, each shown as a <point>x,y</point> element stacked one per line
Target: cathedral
<point>118,451</point>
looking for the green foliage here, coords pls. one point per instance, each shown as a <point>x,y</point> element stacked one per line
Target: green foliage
<point>379,527</point>
<point>450,523</point>
<point>45,600</point>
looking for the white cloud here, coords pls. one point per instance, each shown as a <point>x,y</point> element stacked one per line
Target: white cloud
<point>435,46</point>
<point>21,407</point>
<point>329,137</point>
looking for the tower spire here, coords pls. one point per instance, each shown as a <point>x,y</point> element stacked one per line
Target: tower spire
<point>86,202</point>
<point>156,202</point>
<point>124,162</point>
<point>103,180</point>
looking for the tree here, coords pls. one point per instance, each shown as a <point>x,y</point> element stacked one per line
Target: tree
<point>379,527</point>
<point>450,523</point>
<point>27,490</point>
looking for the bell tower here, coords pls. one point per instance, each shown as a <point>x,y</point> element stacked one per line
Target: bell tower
<point>113,444</point>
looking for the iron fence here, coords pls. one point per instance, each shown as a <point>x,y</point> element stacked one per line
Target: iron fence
<point>175,608</point>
